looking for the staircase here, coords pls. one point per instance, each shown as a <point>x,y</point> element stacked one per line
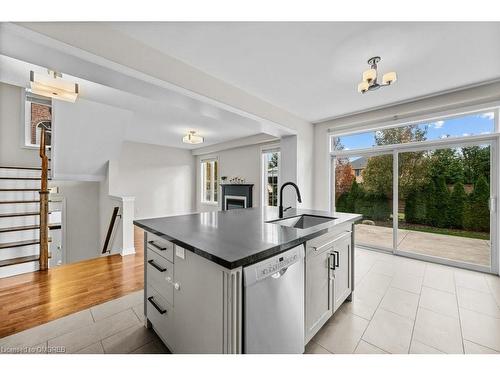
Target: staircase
<point>26,221</point>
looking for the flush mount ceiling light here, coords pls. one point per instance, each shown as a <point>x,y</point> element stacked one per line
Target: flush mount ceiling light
<point>370,83</point>
<point>53,86</point>
<point>192,138</point>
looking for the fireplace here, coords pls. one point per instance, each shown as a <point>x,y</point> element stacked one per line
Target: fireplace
<point>236,196</point>
<point>233,201</point>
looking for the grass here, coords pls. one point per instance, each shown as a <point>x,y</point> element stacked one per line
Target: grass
<point>444,231</point>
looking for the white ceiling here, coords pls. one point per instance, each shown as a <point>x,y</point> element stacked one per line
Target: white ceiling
<point>162,116</point>
<point>312,69</point>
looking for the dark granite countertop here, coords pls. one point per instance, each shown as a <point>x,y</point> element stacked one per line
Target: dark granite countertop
<point>239,237</point>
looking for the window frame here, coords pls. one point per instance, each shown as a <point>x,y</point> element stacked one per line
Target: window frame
<point>26,118</point>
<point>263,173</point>
<point>214,198</point>
<point>395,149</point>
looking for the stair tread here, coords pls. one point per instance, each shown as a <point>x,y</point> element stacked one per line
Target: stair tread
<point>20,260</point>
<point>19,201</point>
<point>14,214</point>
<point>22,168</point>
<point>28,227</point>
<point>7,245</point>
<point>21,178</point>
<point>16,189</point>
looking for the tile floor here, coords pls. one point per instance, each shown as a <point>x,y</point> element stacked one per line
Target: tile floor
<point>462,249</point>
<point>115,327</point>
<point>400,306</point>
<point>408,306</point>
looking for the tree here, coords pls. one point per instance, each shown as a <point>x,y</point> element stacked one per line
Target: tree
<point>377,176</point>
<point>456,206</point>
<point>477,216</point>
<point>356,194</point>
<point>442,198</point>
<point>447,163</point>
<point>401,134</point>
<point>273,162</point>
<point>429,193</point>
<point>476,160</point>
<point>344,176</point>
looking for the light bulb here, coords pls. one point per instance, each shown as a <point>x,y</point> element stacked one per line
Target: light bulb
<point>363,87</point>
<point>369,75</point>
<point>389,78</point>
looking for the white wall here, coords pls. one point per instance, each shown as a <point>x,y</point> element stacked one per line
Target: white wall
<point>86,135</point>
<point>162,179</point>
<point>242,162</point>
<point>81,221</point>
<point>12,150</point>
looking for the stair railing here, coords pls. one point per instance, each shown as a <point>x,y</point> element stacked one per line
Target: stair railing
<point>44,199</point>
<point>111,226</point>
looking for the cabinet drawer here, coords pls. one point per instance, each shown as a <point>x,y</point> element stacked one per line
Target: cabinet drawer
<point>324,242</point>
<point>161,315</point>
<point>159,271</point>
<point>161,246</point>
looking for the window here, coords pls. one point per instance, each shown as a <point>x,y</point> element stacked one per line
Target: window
<point>209,181</point>
<point>424,190</point>
<point>454,127</point>
<point>270,177</point>
<point>38,109</point>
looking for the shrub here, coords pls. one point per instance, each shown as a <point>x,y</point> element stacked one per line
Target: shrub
<point>456,206</point>
<point>415,207</point>
<point>442,198</point>
<point>429,195</point>
<point>342,203</point>
<point>355,194</point>
<point>373,206</point>
<point>477,213</point>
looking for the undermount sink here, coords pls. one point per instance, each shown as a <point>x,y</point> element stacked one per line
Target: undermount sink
<point>302,221</point>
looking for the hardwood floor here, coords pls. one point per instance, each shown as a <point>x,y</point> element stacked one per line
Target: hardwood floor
<point>35,298</point>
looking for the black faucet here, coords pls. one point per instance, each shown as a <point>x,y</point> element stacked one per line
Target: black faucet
<point>281,210</point>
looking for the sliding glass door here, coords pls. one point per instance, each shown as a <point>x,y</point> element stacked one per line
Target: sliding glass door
<point>426,190</point>
<point>363,184</point>
<point>444,204</point>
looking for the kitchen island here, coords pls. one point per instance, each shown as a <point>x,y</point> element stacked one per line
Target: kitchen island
<point>195,266</point>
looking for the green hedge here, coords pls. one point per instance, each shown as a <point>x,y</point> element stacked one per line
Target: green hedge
<point>432,205</point>
<point>436,206</point>
<point>371,206</point>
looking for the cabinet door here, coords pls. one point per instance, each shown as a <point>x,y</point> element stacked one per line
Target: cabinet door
<point>342,273</point>
<point>198,304</point>
<point>318,292</point>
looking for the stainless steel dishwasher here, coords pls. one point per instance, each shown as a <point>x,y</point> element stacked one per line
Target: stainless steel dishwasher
<point>274,304</point>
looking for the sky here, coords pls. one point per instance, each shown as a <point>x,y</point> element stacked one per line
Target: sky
<point>458,127</point>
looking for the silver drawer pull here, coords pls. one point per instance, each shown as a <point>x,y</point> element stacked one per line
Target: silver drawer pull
<point>156,306</point>
<point>159,268</point>
<point>152,243</point>
<point>316,248</point>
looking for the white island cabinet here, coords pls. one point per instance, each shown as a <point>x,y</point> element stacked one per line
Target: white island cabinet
<point>195,304</point>
<point>329,276</point>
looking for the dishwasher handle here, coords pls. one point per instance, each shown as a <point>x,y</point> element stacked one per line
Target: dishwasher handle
<point>280,273</point>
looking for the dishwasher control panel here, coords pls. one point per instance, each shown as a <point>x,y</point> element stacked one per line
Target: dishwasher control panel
<point>276,264</point>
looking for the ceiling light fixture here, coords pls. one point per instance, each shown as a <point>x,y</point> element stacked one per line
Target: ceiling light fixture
<point>369,82</point>
<point>53,86</point>
<point>192,138</point>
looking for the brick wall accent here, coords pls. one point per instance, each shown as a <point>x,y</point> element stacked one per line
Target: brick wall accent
<point>38,113</point>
